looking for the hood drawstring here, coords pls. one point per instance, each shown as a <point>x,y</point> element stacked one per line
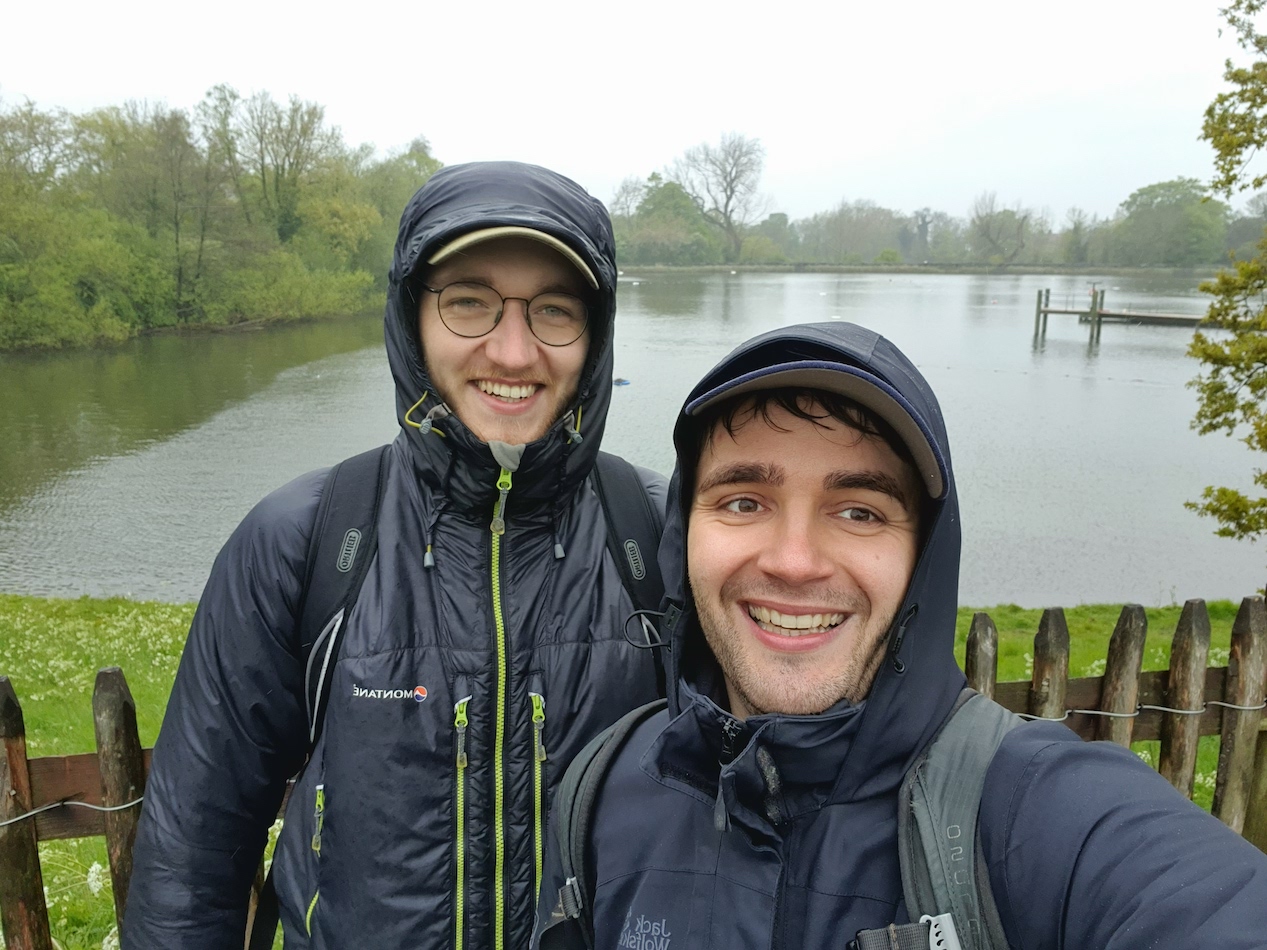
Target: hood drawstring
<point>428,529</point>
<point>573,431</point>
<point>434,414</point>
<point>895,647</point>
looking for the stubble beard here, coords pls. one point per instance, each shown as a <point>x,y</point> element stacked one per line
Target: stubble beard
<point>780,684</point>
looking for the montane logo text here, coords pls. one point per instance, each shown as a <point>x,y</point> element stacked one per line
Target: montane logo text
<point>417,694</point>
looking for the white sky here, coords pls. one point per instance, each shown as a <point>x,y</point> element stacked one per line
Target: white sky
<point>906,104</point>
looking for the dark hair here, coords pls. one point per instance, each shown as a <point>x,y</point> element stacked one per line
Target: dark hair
<point>816,406</point>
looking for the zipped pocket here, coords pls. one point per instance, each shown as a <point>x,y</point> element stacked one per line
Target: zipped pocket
<point>460,724</point>
<point>538,764</point>
<point>319,819</point>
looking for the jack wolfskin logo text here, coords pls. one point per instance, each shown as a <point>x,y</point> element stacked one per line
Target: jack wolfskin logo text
<point>347,550</point>
<point>634,557</point>
<point>417,694</point>
<point>644,933</point>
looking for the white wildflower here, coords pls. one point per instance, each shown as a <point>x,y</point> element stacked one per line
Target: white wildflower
<point>96,878</point>
<point>111,942</point>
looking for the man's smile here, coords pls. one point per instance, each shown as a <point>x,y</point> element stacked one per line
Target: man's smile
<point>793,624</point>
<point>507,392</point>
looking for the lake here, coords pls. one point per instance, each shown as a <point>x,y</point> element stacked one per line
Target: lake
<point>122,471</point>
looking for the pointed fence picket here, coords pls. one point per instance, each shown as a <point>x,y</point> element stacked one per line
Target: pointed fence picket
<point>98,793</point>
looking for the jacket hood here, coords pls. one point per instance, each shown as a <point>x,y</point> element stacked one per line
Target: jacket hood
<point>463,198</point>
<point>874,742</point>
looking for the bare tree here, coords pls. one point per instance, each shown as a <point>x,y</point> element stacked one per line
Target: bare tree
<point>997,234</point>
<point>722,180</point>
<point>629,194</point>
<point>285,145</point>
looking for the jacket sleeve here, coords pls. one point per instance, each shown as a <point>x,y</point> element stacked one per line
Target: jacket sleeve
<point>234,731</point>
<point>1089,847</point>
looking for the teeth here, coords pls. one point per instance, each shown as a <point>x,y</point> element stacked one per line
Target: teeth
<point>503,391</point>
<point>775,622</point>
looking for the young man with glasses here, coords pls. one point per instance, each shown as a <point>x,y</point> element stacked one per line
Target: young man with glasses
<point>484,648</point>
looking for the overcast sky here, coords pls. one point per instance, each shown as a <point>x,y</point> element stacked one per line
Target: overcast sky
<point>924,103</point>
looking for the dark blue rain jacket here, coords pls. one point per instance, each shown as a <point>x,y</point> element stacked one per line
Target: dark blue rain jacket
<point>1086,846</point>
<point>431,802</point>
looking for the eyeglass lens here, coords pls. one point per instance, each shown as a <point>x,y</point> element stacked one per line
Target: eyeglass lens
<point>471,310</point>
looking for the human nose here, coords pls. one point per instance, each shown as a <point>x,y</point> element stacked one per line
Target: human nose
<point>797,552</point>
<point>511,344</point>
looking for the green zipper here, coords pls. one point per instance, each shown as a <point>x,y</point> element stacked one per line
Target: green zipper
<point>498,528</point>
<point>460,723</point>
<point>538,757</point>
<point>319,814</point>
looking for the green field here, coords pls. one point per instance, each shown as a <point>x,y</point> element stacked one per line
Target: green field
<point>51,651</point>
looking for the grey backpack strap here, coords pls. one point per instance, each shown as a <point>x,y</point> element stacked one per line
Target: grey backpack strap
<point>945,882</point>
<point>571,923</point>
<point>942,868</point>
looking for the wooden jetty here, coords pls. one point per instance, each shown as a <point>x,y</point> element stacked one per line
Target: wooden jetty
<point>1096,315</point>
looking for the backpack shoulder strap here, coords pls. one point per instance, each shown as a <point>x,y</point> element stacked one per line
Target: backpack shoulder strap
<point>634,527</point>
<point>571,923</point>
<point>943,870</point>
<point>344,539</point>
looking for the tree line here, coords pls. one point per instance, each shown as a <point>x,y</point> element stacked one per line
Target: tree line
<point>140,216</point>
<point>246,208</point>
<point>705,208</point>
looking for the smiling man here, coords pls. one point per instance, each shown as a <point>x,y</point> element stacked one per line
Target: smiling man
<point>821,777</point>
<point>427,712</point>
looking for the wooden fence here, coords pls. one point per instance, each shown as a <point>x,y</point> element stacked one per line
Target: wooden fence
<point>76,796</point>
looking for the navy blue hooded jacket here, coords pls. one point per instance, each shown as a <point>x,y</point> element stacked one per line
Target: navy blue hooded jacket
<point>1085,845</point>
<point>431,808</point>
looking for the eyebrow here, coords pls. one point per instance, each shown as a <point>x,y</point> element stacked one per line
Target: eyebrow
<point>572,290</point>
<point>873,481</point>
<point>742,473</point>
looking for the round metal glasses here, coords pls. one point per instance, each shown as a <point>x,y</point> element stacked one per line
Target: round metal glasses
<point>472,310</point>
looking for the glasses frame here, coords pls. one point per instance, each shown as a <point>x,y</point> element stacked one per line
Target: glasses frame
<point>500,313</point>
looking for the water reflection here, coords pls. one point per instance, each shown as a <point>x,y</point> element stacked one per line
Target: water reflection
<point>61,410</point>
<point>123,471</point>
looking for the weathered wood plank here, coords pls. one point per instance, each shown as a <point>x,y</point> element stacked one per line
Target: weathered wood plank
<point>1051,666</point>
<point>56,778</point>
<point>981,657</point>
<point>1082,693</point>
<point>1246,668</point>
<point>1255,830</point>
<point>23,913</point>
<point>122,775</point>
<point>1120,690</point>
<point>253,903</point>
<point>1185,690</point>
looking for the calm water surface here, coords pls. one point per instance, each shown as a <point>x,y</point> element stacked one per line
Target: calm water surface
<point>123,471</point>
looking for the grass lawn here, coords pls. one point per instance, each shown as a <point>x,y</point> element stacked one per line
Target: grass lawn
<point>51,651</point>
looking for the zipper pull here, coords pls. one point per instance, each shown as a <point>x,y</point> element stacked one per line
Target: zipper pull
<point>730,730</point>
<point>498,526</point>
<point>460,721</point>
<point>319,815</point>
<point>539,724</point>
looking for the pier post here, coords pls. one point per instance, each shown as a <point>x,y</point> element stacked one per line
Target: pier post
<point>1046,307</point>
<point>1038,313</point>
